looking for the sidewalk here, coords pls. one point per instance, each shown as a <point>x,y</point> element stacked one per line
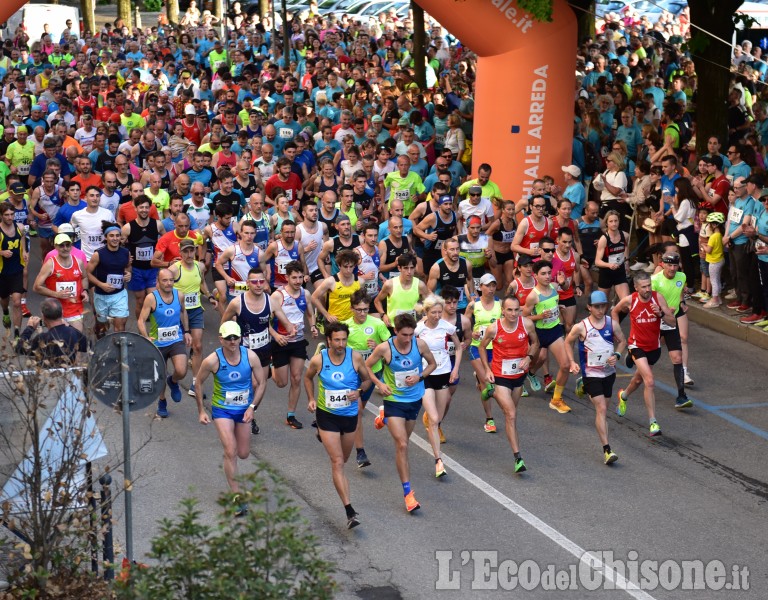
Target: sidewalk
<point>726,321</point>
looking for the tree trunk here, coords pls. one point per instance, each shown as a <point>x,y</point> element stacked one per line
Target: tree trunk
<point>263,8</point>
<point>172,8</point>
<point>286,38</point>
<point>712,63</point>
<point>419,46</point>
<point>124,12</point>
<point>585,17</point>
<point>89,19</point>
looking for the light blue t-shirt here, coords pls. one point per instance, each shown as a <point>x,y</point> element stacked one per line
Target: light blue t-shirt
<point>578,197</point>
<point>740,170</point>
<point>739,208</point>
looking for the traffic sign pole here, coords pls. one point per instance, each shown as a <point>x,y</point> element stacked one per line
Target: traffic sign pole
<point>124,343</point>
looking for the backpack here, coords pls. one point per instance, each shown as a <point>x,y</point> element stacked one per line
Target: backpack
<point>592,161</point>
<point>684,132</point>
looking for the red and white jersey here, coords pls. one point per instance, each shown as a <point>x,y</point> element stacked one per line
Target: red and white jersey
<point>522,291</point>
<point>645,326</point>
<point>67,279</point>
<point>509,350</point>
<point>568,267</point>
<point>533,235</point>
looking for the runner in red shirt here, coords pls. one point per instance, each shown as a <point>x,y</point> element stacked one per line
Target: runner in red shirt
<point>646,310</point>
<point>532,229</point>
<point>189,123</point>
<point>515,343</point>
<point>167,249</point>
<point>521,286</point>
<point>565,260</point>
<point>285,179</point>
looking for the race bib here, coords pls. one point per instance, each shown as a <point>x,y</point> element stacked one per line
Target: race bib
<point>507,236</point>
<point>191,299</point>
<point>115,280</point>
<point>77,233</point>
<point>402,195</point>
<point>439,244</point>
<point>144,253</point>
<point>168,334</point>
<point>737,215</point>
<point>23,169</point>
<point>281,263</point>
<point>95,239</point>
<point>481,330</point>
<point>533,245</point>
<point>370,286</point>
<point>616,259</point>
<point>401,375</point>
<point>510,367</point>
<point>451,348</point>
<point>365,353</point>
<point>462,297</point>
<point>337,398</point>
<point>439,139</point>
<point>598,359</point>
<point>555,318</point>
<point>238,398</point>
<point>239,288</point>
<point>286,133</point>
<point>258,340</point>
<point>70,287</point>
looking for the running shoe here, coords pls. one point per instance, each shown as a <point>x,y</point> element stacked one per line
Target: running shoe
<point>733,304</point>
<point>743,308</point>
<point>580,387</point>
<point>191,392</point>
<point>638,265</point>
<point>699,294</point>
<point>489,426</point>
<point>731,295</point>
<point>380,421</point>
<point>442,436</point>
<point>654,429</point>
<point>362,459</point>
<point>704,297</point>
<point>410,502</point>
<point>524,393</point>
<point>353,522</point>
<point>762,323</point>
<point>293,423</point>
<point>7,321</point>
<point>487,392</point>
<point>175,389</point>
<point>534,382</point>
<point>683,402</point>
<point>621,409</point>
<point>254,427</point>
<point>320,324</point>
<point>560,406</point>
<point>162,409</point>
<point>549,383</point>
<point>687,379</point>
<point>439,468</point>
<point>25,311</point>
<point>650,268</point>
<point>519,465</point>
<point>319,349</point>
<point>610,457</point>
<point>752,319</point>
<point>712,304</point>
<point>242,507</point>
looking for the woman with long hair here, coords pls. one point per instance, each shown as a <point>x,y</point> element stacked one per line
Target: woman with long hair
<point>611,257</point>
<point>684,213</point>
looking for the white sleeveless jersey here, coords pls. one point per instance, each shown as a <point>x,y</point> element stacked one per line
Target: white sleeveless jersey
<point>306,239</point>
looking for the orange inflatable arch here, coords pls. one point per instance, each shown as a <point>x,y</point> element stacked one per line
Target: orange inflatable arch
<point>525,85</point>
<point>524,94</point>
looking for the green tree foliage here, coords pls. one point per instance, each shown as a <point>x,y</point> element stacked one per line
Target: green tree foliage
<point>266,554</point>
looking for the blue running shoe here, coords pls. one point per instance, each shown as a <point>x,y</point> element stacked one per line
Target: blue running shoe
<point>175,389</point>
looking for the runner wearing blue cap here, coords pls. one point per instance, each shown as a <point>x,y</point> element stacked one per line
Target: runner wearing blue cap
<point>601,343</point>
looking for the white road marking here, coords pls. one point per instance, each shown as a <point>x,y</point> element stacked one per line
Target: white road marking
<point>553,534</point>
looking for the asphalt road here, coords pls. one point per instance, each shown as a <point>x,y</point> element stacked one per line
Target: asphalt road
<point>697,493</point>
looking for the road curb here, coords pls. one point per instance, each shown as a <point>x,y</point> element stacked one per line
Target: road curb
<point>723,322</point>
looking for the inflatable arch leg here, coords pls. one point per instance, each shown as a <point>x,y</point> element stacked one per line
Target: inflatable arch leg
<point>524,92</point>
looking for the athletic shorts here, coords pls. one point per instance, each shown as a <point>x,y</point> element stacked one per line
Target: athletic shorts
<point>607,278</point>
<point>599,386</point>
<point>453,364</point>
<point>265,357</point>
<point>633,354</point>
<point>196,318</point>
<point>547,337</point>
<point>12,284</point>
<point>437,382</point>
<point>328,421</point>
<point>316,276</point>
<point>367,394</point>
<point>142,279</point>
<point>502,257</point>
<point>108,306</point>
<point>173,349</point>
<point>405,410</point>
<point>672,339</point>
<point>228,413</point>
<point>216,276</point>
<point>568,301</point>
<point>45,232</point>
<point>73,319</point>
<point>282,355</point>
<point>510,383</point>
<point>474,353</point>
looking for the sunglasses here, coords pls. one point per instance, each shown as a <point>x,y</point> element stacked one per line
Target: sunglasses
<point>232,338</point>
<point>547,250</point>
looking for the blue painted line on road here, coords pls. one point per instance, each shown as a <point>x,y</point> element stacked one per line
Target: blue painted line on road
<point>737,406</point>
<point>719,411</point>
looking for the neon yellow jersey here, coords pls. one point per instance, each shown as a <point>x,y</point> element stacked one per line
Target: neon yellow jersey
<point>404,189</point>
<point>482,318</point>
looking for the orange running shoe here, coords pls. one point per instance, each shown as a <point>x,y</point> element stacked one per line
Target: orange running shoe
<point>411,503</point>
<point>379,421</point>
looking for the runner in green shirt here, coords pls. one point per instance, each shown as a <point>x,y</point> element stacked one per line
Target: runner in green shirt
<point>404,185</point>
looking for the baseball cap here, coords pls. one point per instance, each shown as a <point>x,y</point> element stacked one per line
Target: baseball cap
<point>66,228</point>
<point>18,188</point>
<point>475,189</point>
<point>22,129</point>
<point>598,297</point>
<point>61,238</point>
<point>228,329</point>
<point>404,121</point>
<point>487,279</point>
<point>186,243</point>
<point>342,217</point>
<point>446,199</point>
<point>376,119</point>
<point>202,113</point>
<point>49,143</point>
<point>671,259</point>
<point>572,170</point>
<point>36,107</point>
<point>189,110</point>
<point>524,259</point>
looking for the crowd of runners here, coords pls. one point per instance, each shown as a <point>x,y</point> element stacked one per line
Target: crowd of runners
<point>151,176</point>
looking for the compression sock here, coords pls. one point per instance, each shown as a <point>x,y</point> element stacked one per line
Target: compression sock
<point>558,395</point>
<point>350,511</point>
<point>406,488</point>
<point>607,448</point>
<point>679,379</point>
<point>517,456</point>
